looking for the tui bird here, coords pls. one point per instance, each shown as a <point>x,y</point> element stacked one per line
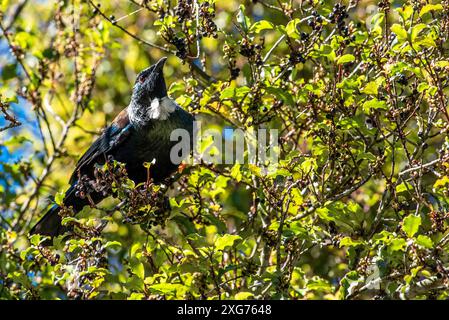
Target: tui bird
<point>140,133</point>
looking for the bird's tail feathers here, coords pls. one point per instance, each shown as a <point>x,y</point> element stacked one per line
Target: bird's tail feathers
<point>50,223</point>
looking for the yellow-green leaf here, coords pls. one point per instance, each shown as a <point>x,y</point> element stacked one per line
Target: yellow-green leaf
<point>244,296</point>
<point>416,30</point>
<point>349,242</point>
<point>430,7</point>
<point>424,241</point>
<point>261,25</point>
<point>59,197</point>
<point>399,31</point>
<point>292,30</point>
<point>411,224</point>
<point>371,88</point>
<point>397,244</point>
<point>226,241</point>
<point>345,59</point>
<point>374,104</point>
<point>442,182</point>
<point>139,270</point>
<point>236,173</point>
<point>136,296</point>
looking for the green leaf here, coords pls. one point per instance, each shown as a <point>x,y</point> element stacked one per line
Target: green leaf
<point>9,71</point>
<point>242,19</point>
<point>442,64</point>
<point>67,220</point>
<point>411,224</point>
<point>403,187</point>
<point>423,86</point>
<point>236,173</point>
<point>308,165</point>
<point>376,23</point>
<point>348,242</point>
<point>139,270</point>
<point>113,244</point>
<point>225,241</point>
<point>168,288</point>
<point>23,39</point>
<point>367,156</point>
<point>136,296</point>
<point>285,96</point>
<point>345,59</point>
<point>405,12</point>
<point>371,88</point>
<point>430,7</point>
<point>374,104</point>
<point>399,31</point>
<point>261,25</point>
<point>13,99</point>
<point>244,296</point>
<point>135,250</point>
<point>442,182</point>
<point>397,244</point>
<point>15,140</point>
<point>424,241</point>
<point>232,92</point>
<point>292,30</point>
<point>319,284</point>
<point>416,30</point>
<point>59,198</point>
<point>35,239</point>
<point>185,224</point>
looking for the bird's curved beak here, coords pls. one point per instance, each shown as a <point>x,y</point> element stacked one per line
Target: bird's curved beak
<point>160,64</point>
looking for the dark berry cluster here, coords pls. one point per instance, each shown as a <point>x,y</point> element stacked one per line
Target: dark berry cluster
<point>146,205</point>
<point>258,57</point>
<point>296,57</point>
<point>438,218</point>
<point>305,36</point>
<point>384,5</point>
<point>92,257</point>
<point>105,177</point>
<point>251,50</point>
<point>200,282</point>
<point>247,49</point>
<point>249,268</point>
<point>181,47</point>
<point>83,187</point>
<point>270,237</point>
<point>230,54</point>
<point>183,10</point>
<point>234,71</point>
<point>256,96</point>
<point>316,22</point>
<point>207,28</point>
<point>338,16</point>
<point>402,79</point>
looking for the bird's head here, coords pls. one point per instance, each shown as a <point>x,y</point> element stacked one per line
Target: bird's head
<point>150,84</point>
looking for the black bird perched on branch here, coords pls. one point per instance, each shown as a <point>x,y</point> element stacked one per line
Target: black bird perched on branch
<point>140,133</point>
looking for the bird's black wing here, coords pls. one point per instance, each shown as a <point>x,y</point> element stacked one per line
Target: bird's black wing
<point>111,138</point>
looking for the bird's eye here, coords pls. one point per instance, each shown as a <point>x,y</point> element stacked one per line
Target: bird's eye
<point>142,79</point>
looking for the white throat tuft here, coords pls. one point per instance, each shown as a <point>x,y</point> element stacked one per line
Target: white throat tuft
<point>159,109</point>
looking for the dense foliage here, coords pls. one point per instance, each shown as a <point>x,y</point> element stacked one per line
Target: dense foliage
<point>356,208</point>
